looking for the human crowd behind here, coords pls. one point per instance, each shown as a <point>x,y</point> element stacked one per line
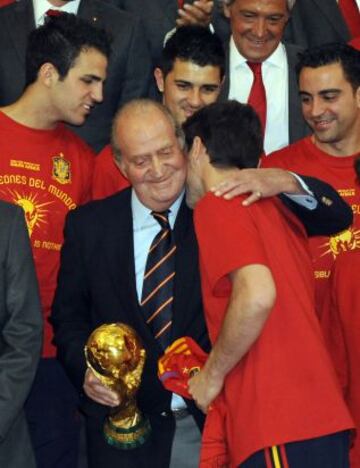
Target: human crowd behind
<point>235,122</point>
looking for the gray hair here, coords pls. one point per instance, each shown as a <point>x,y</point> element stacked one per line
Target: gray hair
<point>139,106</point>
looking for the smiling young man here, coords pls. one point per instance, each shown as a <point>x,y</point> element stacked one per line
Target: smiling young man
<point>255,47</point>
<point>189,77</point>
<point>46,169</point>
<point>329,82</point>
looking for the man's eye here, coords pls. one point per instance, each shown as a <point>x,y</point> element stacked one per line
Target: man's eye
<point>183,86</point>
<point>304,99</point>
<point>330,96</point>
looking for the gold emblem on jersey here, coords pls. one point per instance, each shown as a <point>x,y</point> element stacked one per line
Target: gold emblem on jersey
<point>342,242</point>
<point>35,211</point>
<point>61,171</point>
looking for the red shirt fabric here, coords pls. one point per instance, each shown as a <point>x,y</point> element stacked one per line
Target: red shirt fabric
<point>47,173</point>
<point>285,388</point>
<point>303,157</point>
<point>5,2</point>
<point>107,178</point>
<point>341,325</point>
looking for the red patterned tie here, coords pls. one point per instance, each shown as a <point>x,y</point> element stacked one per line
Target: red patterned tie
<point>158,284</point>
<point>257,96</point>
<point>351,14</point>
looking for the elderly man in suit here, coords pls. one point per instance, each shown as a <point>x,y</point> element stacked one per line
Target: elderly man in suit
<point>261,69</point>
<point>129,69</point>
<point>102,279</point>
<point>317,22</point>
<point>20,336</point>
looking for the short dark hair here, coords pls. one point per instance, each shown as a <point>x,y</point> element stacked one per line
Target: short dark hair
<point>230,131</point>
<point>193,44</point>
<point>328,54</point>
<point>59,41</point>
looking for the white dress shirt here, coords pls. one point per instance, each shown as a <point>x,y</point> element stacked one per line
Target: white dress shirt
<point>42,6</point>
<point>276,81</point>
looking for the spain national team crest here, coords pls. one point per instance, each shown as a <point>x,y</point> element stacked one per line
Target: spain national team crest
<point>61,170</point>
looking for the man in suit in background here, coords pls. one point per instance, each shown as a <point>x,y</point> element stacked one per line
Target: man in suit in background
<point>255,49</point>
<point>129,69</point>
<point>317,22</point>
<point>20,336</point>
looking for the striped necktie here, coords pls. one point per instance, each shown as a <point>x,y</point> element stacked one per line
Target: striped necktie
<point>158,284</point>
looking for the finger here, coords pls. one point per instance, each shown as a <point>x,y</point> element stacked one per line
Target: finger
<point>197,14</point>
<point>100,395</point>
<point>254,197</point>
<point>229,189</point>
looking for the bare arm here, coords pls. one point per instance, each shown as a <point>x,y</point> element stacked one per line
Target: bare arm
<point>263,182</point>
<point>252,298</point>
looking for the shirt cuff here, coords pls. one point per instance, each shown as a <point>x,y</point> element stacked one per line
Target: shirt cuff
<point>308,200</point>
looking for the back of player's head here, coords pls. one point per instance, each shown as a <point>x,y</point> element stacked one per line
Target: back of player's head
<point>60,41</point>
<point>193,44</point>
<point>328,54</point>
<point>230,131</point>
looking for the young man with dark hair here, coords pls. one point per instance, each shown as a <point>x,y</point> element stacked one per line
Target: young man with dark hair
<point>190,77</point>
<point>47,170</point>
<point>340,321</point>
<point>279,400</point>
<point>329,82</point>
<point>129,72</point>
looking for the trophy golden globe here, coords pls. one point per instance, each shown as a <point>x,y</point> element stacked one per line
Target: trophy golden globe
<point>115,355</point>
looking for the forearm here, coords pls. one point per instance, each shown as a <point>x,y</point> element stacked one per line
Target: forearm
<point>245,318</point>
<point>251,301</point>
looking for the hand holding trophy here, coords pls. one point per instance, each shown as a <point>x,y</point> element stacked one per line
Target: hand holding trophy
<point>115,355</point>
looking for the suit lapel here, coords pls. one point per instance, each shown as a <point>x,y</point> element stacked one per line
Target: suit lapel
<point>297,125</point>
<point>332,13</point>
<point>224,93</point>
<point>169,7</point>
<point>20,22</point>
<point>91,11</point>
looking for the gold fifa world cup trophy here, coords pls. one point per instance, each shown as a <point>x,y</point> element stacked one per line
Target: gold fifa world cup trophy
<point>115,354</point>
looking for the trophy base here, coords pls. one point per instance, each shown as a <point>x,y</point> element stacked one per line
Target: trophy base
<point>127,439</point>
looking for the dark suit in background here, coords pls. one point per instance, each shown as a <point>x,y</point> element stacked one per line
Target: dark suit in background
<point>129,71</point>
<point>297,125</point>
<point>20,336</point>
<point>159,17</point>
<point>316,22</point>
<point>96,286</point>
